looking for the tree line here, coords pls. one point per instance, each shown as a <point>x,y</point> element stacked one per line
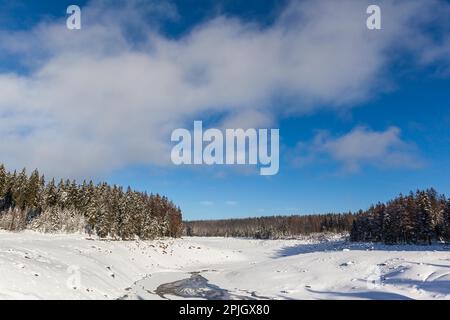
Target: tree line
<point>421,217</point>
<point>271,227</point>
<point>28,202</point>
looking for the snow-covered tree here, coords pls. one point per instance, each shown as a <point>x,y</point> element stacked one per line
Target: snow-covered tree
<point>446,221</point>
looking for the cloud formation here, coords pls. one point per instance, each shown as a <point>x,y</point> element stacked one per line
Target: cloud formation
<point>359,147</point>
<point>108,96</point>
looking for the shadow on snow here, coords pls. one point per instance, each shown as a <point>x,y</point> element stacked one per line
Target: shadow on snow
<point>334,246</point>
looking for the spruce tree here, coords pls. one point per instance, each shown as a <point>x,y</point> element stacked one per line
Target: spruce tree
<point>446,221</point>
<point>2,180</point>
<point>390,226</point>
<point>51,195</point>
<point>32,190</point>
<point>19,189</point>
<point>424,221</point>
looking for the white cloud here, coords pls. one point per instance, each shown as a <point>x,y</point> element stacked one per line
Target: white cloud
<point>362,146</point>
<point>94,100</point>
<point>231,203</point>
<point>206,203</point>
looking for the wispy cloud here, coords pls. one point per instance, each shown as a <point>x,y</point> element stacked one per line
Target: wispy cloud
<point>359,147</point>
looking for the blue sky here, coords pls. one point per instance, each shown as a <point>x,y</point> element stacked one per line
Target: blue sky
<point>363,115</point>
<point>320,188</point>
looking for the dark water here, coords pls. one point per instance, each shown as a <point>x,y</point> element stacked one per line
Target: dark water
<point>196,286</point>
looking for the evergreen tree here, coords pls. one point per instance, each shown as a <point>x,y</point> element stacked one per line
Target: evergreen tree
<point>390,226</point>
<point>2,180</point>
<point>32,190</point>
<point>102,221</point>
<point>424,221</point>
<point>19,189</point>
<point>407,218</point>
<point>51,195</point>
<point>446,221</point>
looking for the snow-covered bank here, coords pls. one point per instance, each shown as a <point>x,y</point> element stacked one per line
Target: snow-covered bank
<point>40,266</point>
<point>43,266</point>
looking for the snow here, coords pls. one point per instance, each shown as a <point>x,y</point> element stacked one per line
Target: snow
<point>44,266</point>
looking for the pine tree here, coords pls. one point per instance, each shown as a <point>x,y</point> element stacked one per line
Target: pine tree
<point>437,203</point>
<point>2,180</point>
<point>11,181</point>
<point>424,221</point>
<point>32,190</point>
<point>41,194</point>
<point>73,195</point>
<point>114,211</point>
<point>62,194</point>
<point>390,226</point>
<point>90,210</point>
<point>376,223</point>
<point>51,195</point>
<point>102,221</point>
<point>19,189</point>
<point>410,233</point>
<point>446,221</point>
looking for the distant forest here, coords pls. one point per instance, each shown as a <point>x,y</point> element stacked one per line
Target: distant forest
<point>28,202</point>
<point>271,227</point>
<point>421,217</point>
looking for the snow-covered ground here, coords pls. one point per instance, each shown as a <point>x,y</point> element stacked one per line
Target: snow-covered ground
<point>42,266</point>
